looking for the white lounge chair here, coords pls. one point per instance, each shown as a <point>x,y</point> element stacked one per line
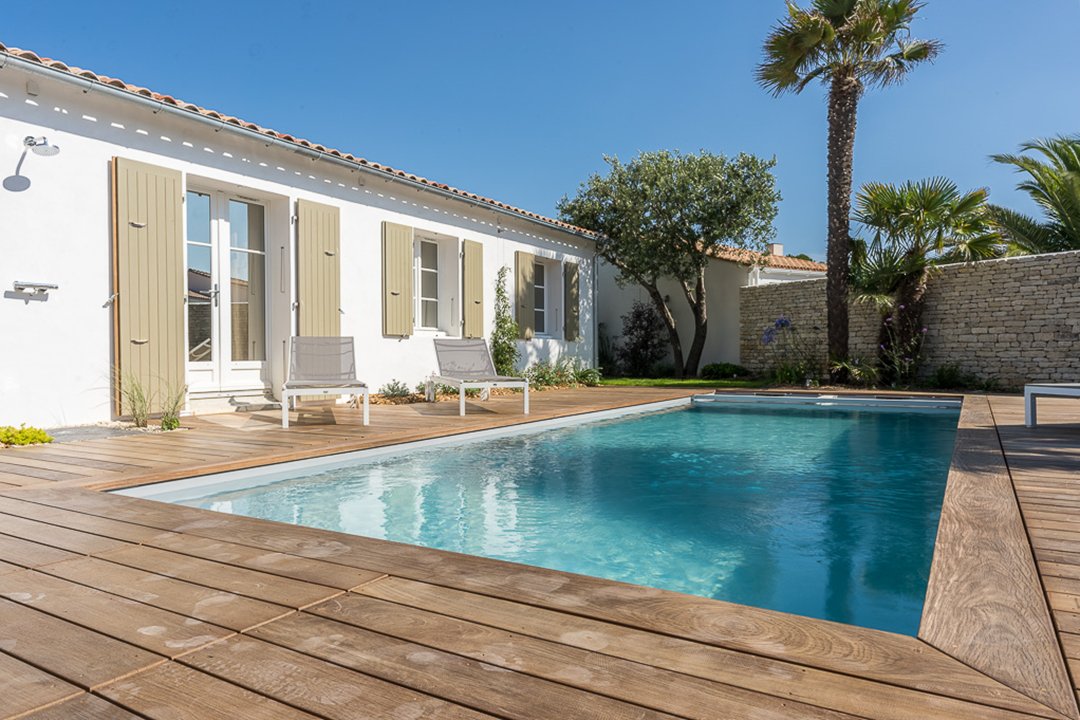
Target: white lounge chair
<point>467,364</point>
<point>1036,390</point>
<point>321,366</point>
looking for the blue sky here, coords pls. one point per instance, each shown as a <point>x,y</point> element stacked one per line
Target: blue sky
<point>519,101</point>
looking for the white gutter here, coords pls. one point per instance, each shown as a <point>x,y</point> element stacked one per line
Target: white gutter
<point>88,84</point>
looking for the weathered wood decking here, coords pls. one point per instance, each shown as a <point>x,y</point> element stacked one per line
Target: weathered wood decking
<point>117,607</point>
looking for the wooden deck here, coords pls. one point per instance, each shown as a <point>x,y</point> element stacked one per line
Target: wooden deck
<point>114,607</point>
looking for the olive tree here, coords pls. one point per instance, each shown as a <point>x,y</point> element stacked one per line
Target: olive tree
<point>661,215</point>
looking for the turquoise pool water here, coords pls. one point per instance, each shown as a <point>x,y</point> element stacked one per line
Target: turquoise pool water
<point>825,513</point>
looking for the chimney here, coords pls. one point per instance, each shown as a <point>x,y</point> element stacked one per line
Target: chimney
<point>776,249</point>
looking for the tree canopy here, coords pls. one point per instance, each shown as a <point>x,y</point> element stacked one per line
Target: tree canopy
<point>660,214</point>
<point>1053,182</point>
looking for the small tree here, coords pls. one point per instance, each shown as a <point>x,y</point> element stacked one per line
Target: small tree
<point>662,214</point>
<point>642,341</point>
<point>504,333</point>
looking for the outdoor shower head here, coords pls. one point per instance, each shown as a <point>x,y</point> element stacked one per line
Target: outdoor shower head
<point>40,146</point>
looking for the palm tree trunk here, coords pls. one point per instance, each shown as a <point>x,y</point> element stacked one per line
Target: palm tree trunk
<point>843,110</point>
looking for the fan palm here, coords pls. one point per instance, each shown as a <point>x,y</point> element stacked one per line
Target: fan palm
<point>849,45</point>
<point>913,227</point>
<point>1054,184</point>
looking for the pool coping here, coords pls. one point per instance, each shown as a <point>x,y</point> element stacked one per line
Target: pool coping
<point>986,606</point>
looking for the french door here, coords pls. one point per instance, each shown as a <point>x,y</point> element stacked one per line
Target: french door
<point>225,305</point>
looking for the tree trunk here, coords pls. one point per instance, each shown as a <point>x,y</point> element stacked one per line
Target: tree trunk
<point>843,109</point>
<point>901,332</point>
<point>701,324</point>
<point>669,323</point>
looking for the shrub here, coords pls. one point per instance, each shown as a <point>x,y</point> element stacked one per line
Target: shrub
<point>135,400</point>
<point>643,341</point>
<point>23,435</point>
<point>952,377</point>
<point>721,371</point>
<point>171,407</point>
<point>589,377</point>
<point>858,371</point>
<point>504,333</point>
<point>395,389</point>
<point>795,359</point>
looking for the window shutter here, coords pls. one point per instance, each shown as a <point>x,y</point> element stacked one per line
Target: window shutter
<point>472,292</point>
<point>148,277</point>
<point>523,288</point>
<point>397,280</point>
<point>318,290</point>
<point>571,301</point>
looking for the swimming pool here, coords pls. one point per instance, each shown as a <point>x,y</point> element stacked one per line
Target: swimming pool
<point>826,512</point>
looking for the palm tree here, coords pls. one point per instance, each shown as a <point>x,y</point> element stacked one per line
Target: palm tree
<point>914,227</point>
<point>1054,184</point>
<point>849,45</point>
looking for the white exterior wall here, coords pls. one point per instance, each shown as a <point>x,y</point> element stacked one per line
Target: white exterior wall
<point>722,282</point>
<point>56,356</point>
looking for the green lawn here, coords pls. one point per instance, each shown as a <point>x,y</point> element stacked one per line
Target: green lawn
<point>687,383</point>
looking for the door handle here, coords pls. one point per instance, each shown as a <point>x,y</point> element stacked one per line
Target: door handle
<point>214,293</point>
<point>135,341</point>
<point>394,292</point>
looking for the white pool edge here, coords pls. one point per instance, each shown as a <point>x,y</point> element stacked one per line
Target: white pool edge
<point>200,486</point>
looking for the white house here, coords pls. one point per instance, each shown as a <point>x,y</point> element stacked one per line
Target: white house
<point>181,246</point>
<point>729,270</point>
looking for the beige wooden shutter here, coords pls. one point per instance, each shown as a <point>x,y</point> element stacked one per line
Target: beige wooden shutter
<point>571,301</point>
<point>148,278</point>
<point>318,269</point>
<point>397,279</point>
<point>472,290</point>
<point>523,287</point>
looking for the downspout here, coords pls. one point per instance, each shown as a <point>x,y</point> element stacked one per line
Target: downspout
<point>595,312</point>
<point>218,124</point>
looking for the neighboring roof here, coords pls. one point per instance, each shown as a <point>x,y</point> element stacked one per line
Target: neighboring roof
<point>782,262</point>
<point>32,57</point>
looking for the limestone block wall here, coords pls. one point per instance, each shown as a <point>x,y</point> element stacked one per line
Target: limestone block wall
<point>1013,320</point>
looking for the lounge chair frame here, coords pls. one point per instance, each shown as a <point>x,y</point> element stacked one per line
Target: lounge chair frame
<point>330,369</point>
<point>1037,390</point>
<point>478,374</point>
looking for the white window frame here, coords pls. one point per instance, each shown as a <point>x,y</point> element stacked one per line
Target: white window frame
<point>420,270</point>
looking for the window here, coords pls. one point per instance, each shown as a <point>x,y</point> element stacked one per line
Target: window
<point>428,297</point>
<point>540,299</point>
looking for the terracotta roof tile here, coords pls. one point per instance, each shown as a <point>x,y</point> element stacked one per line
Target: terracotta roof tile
<point>749,257</point>
<point>144,92</point>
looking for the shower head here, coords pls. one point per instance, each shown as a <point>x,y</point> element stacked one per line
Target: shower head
<point>40,146</point>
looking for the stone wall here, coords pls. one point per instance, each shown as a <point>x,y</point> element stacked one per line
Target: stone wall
<point>1013,321</point>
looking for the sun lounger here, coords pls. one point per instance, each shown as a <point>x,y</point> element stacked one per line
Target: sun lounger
<point>1036,390</point>
<point>467,364</point>
<point>321,366</point>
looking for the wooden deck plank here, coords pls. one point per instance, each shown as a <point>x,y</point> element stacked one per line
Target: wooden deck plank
<point>452,677</point>
<point>592,656</point>
<point>59,458</point>
<point>884,657</point>
<point>250,583</point>
<point>13,470</point>
<point>24,688</point>
<point>159,631</point>
<point>850,693</point>
<point>316,686</point>
<point>154,694</point>
<point>216,607</point>
<point>27,554</point>
<point>81,657</point>
<point>58,537</point>
<point>83,707</point>
<point>91,524</point>
<point>983,560</point>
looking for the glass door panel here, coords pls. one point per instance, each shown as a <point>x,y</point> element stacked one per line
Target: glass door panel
<point>247,285</point>
<point>200,279</point>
